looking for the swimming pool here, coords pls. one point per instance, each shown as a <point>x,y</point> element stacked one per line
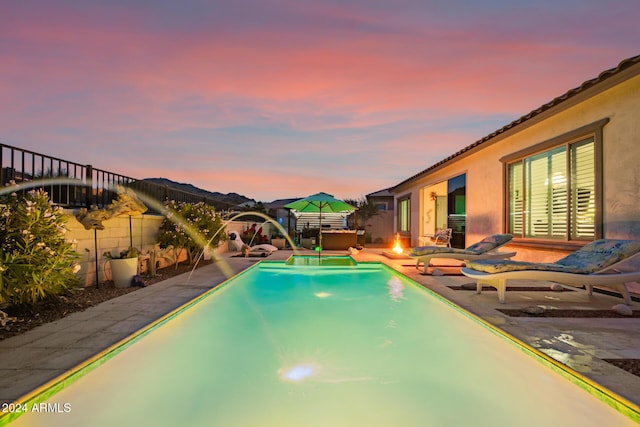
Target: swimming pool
<point>305,345</point>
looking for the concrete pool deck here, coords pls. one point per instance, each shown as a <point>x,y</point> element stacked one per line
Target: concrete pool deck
<point>31,359</point>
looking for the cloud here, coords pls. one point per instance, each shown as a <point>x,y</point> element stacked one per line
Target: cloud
<point>276,97</point>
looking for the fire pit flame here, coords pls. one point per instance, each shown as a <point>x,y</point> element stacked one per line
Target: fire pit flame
<point>397,248</point>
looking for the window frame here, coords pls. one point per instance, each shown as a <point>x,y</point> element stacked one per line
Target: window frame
<point>399,201</point>
<point>593,130</point>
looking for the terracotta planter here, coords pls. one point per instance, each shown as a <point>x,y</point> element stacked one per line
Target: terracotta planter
<point>123,270</point>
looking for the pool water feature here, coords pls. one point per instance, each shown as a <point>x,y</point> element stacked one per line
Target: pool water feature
<point>304,345</point>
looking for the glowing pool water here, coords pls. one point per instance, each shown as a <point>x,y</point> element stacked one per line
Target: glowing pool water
<point>298,345</point>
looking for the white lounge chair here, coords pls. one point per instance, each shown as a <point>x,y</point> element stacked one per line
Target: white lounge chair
<point>595,264</point>
<point>236,244</point>
<point>487,248</point>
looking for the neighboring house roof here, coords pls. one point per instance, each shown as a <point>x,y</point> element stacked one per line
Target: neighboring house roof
<point>627,63</point>
<point>382,193</point>
<point>278,204</point>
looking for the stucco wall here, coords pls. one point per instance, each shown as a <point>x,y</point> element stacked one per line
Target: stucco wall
<point>381,228</point>
<point>622,162</point>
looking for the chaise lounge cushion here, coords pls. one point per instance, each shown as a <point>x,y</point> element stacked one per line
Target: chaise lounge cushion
<point>591,258</point>
<point>501,266</point>
<point>428,250</point>
<point>263,248</point>
<point>485,245</point>
<point>600,254</point>
<point>489,243</point>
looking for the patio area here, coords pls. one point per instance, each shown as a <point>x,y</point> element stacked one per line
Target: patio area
<point>578,342</point>
<point>35,357</point>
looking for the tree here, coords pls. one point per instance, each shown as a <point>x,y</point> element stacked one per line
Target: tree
<point>366,210</point>
<point>257,207</point>
<point>35,259</point>
<point>190,227</point>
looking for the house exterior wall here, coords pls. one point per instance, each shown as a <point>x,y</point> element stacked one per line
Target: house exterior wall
<point>617,101</point>
<point>380,228</point>
<point>431,221</point>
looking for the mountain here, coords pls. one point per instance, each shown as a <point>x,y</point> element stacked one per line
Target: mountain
<point>277,204</point>
<point>231,198</point>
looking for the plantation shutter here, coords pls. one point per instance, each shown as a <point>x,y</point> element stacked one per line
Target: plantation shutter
<point>546,198</point>
<point>516,211</point>
<point>559,182</point>
<point>583,190</point>
<point>552,194</point>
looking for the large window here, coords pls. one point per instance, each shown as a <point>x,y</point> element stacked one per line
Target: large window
<point>552,194</point>
<point>404,215</point>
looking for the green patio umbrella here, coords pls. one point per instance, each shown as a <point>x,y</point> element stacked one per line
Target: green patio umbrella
<point>320,202</point>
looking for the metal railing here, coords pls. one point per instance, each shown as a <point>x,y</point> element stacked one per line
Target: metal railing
<point>73,185</point>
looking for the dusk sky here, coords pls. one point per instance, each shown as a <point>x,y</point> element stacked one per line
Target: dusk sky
<point>283,98</point>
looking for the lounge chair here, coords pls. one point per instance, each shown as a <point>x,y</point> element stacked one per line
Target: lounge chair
<point>236,244</point>
<point>263,250</point>
<point>487,248</point>
<point>596,264</point>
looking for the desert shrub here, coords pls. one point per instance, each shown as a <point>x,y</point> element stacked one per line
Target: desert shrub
<point>35,260</point>
<point>190,227</point>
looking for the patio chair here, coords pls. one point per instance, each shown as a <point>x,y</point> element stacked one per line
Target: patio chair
<point>442,237</point>
<point>487,248</point>
<point>596,264</point>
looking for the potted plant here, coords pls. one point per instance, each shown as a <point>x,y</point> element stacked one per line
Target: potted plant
<point>123,266</point>
<point>253,236</point>
<point>278,240</point>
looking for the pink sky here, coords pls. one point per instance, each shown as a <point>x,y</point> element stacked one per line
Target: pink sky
<point>280,98</point>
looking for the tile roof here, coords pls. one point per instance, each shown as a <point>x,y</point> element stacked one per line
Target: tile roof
<point>627,63</point>
<point>279,203</point>
<point>381,193</point>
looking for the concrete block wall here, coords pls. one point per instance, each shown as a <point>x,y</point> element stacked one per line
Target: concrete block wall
<point>115,238</point>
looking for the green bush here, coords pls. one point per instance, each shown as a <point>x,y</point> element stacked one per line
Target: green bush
<point>190,227</point>
<point>35,260</point>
